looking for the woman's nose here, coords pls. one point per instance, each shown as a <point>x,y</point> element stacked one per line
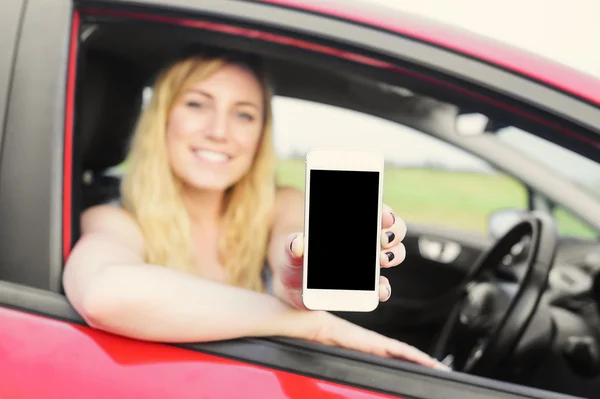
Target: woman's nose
<point>218,129</point>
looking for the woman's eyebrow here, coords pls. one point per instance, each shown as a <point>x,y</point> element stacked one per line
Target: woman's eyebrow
<point>210,96</point>
<point>201,92</point>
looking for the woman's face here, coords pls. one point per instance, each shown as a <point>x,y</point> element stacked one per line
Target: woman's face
<point>214,129</point>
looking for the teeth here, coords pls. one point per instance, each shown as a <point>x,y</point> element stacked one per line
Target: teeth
<point>211,156</point>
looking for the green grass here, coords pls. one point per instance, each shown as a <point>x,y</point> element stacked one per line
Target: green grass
<point>458,200</point>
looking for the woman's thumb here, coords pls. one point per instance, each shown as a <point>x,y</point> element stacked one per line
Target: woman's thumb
<point>295,248</point>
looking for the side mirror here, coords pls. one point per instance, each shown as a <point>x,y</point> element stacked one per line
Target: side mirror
<point>501,220</point>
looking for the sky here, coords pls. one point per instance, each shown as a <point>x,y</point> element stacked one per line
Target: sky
<point>565,31</point>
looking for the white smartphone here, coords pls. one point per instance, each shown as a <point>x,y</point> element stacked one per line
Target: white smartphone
<point>342,229</point>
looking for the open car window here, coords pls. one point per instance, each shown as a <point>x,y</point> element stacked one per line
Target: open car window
<point>427,181</point>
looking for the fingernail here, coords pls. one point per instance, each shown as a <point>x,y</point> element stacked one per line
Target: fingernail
<point>292,244</point>
<point>390,235</point>
<point>393,217</point>
<point>390,256</point>
<point>299,246</point>
<point>389,290</point>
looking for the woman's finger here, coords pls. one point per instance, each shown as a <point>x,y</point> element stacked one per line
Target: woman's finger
<point>404,351</point>
<point>291,271</point>
<point>332,330</point>
<point>385,289</point>
<point>287,283</point>
<point>295,248</point>
<point>380,345</point>
<point>391,257</point>
<point>393,235</point>
<point>388,218</point>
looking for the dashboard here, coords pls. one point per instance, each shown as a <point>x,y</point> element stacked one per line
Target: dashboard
<point>576,267</point>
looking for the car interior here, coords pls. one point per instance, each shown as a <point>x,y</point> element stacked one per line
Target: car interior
<point>487,310</point>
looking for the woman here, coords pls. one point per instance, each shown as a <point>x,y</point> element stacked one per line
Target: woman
<point>203,234</point>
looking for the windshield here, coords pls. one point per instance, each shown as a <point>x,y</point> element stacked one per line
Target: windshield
<point>580,170</point>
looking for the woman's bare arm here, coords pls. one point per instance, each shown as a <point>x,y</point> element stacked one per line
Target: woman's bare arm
<point>108,283</point>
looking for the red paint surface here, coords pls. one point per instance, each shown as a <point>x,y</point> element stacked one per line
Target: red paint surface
<point>511,58</point>
<point>68,144</point>
<point>65,361</point>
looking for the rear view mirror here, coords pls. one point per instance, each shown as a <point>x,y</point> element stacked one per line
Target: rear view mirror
<point>471,124</point>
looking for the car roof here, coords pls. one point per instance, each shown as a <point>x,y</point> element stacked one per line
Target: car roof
<point>511,58</point>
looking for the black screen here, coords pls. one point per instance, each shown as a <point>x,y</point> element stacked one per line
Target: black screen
<point>342,230</point>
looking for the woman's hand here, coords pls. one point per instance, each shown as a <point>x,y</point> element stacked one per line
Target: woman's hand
<point>288,287</point>
<point>332,330</point>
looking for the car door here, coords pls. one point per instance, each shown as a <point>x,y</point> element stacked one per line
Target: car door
<point>46,348</point>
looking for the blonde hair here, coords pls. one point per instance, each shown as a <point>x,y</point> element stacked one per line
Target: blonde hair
<point>152,193</point>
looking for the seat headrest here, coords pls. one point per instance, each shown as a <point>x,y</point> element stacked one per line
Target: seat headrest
<point>109,97</point>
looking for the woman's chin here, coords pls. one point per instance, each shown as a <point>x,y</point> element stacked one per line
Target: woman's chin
<point>209,183</point>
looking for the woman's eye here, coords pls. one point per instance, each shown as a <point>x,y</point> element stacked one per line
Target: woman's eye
<point>194,104</point>
<point>246,116</point>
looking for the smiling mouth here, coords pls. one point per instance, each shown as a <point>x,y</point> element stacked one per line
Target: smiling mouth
<point>211,156</point>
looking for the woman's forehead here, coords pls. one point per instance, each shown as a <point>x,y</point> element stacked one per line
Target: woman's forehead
<point>230,79</point>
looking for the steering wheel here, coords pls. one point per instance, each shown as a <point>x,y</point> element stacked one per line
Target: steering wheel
<point>492,317</point>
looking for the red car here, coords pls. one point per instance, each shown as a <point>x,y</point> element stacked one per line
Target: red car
<point>514,310</point>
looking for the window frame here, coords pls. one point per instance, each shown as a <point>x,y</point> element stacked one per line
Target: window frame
<point>31,163</point>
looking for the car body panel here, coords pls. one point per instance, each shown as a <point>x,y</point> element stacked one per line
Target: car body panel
<point>31,194</point>
<point>73,361</point>
<point>52,316</point>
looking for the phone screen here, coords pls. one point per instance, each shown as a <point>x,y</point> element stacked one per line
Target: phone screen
<point>342,230</point>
